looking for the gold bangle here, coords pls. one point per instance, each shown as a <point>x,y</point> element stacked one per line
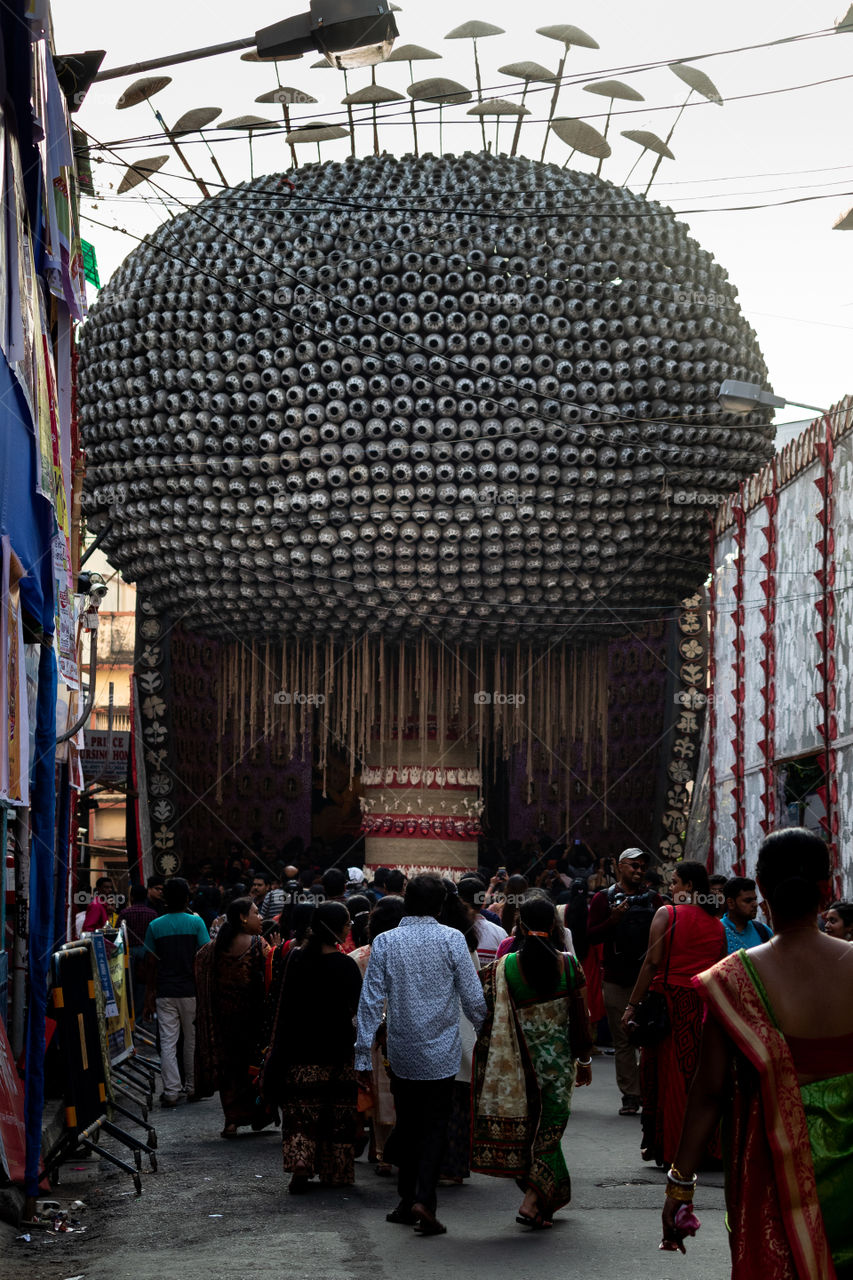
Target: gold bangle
<point>684,1195</point>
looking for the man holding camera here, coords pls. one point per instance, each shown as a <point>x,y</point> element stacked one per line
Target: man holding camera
<point>621,918</point>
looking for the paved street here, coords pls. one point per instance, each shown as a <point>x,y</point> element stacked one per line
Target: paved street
<point>611,1229</point>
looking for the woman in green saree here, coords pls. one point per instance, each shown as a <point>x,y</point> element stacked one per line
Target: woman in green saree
<point>777,1064</point>
<point>531,1051</point>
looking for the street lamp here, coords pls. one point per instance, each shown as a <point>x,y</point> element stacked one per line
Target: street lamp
<point>743,397</point>
<point>348,33</point>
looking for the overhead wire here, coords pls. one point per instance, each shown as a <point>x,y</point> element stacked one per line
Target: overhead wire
<point>580,78</point>
<point>560,211</point>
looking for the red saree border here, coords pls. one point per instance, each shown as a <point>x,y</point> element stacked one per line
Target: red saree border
<point>731,992</point>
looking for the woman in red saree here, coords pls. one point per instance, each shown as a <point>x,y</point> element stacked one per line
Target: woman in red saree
<point>231,989</point>
<point>785,1093</point>
<point>684,939</point>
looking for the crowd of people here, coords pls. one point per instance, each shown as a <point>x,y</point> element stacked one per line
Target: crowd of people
<point>445,1024</point>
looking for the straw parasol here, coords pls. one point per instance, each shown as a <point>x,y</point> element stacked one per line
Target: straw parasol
<point>498,107</point>
<point>140,171</point>
<point>442,92</point>
<point>649,142</point>
<point>697,82</point>
<point>528,72</point>
<point>316,131</point>
<point>612,89</point>
<point>249,124</point>
<point>286,96</point>
<point>475,31</point>
<point>582,137</point>
<point>567,35</point>
<point>373,94</point>
<point>412,53</point>
<point>196,120</point>
<point>143,91</point>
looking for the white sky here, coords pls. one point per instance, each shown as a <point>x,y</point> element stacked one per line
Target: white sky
<point>793,272</point>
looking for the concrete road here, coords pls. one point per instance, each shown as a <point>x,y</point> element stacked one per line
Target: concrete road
<point>217,1210</point>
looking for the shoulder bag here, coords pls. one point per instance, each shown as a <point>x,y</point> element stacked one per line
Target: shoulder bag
<point>651,1016</point>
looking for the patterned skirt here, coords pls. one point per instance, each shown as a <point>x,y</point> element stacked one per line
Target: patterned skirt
<point>666,1071</point>
<point>319,1118</point>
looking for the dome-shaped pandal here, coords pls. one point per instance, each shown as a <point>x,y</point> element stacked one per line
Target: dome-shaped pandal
<point>465,393</point>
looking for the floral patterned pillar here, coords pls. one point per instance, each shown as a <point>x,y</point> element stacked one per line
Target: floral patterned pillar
<point>152,672</point>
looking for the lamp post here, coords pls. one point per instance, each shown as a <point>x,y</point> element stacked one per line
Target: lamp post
<point>348,33</point>
<point>743,397</point>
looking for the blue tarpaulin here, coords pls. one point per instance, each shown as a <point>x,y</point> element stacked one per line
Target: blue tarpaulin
<point>42,825</point>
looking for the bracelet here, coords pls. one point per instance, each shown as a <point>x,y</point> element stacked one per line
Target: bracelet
<point>679,1178</point>
<point>684,1195</point>
<point>584,1062</point>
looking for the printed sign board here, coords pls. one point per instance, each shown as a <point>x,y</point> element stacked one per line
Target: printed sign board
<point>105,757</point>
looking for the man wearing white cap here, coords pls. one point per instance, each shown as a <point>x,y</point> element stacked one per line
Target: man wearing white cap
<point>620,918</point>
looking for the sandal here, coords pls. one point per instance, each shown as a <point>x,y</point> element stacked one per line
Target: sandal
<point>230,1131</point>
<point>535,1222</point>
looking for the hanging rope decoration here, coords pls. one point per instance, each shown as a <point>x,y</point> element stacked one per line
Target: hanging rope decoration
<point>357,697</point>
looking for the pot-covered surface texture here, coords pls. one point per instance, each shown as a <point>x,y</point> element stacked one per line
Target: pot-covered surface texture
<point>472,395</point>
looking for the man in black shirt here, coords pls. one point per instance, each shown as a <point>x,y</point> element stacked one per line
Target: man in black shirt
<point>621,918</point>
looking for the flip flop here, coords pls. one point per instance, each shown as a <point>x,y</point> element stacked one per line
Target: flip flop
<point>535,1222</point>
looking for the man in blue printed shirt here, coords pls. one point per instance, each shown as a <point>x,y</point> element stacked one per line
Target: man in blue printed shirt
<point>742,929</point>
<point>418,974</point>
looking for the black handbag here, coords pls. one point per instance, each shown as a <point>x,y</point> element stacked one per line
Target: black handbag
<point>651,1016</point>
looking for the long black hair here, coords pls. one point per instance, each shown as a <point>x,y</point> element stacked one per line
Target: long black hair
<point>329,921</point>
<point>358,906</point>
<point>456,914</point>
<point>386,915</point>
<point>793,865</point>
<point>539,959</point>
<point>514,889</point>
<point>845,911</point>
<point>233,922</point>
<point>696,875</point>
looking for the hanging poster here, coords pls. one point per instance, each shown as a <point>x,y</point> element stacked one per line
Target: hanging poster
<point>65,636</point>
<point>102,964</point>
<point>12,1130</point>
<point>120,1028</point>
<point>15,739</point>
